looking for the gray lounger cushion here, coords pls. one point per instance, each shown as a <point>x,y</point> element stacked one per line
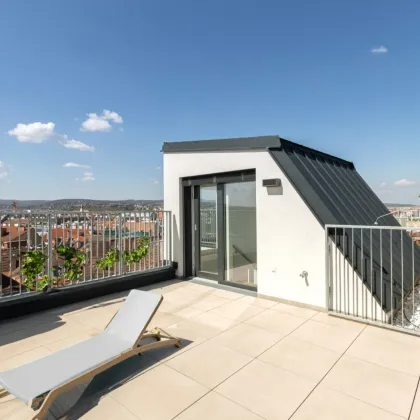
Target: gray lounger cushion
<point>34,379</point>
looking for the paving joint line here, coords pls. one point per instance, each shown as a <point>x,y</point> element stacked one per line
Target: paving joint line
<point>329,370</point>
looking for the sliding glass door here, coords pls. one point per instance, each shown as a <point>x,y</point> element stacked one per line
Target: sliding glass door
<point>224,229</point>
<point>240,233</point>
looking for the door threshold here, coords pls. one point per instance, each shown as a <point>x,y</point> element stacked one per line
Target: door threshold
<point>216,285</point>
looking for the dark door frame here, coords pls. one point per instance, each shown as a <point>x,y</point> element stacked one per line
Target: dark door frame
<point>188,239</point>
<point>192,226</point>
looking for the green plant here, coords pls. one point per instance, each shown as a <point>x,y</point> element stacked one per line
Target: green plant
<point>74,261</point>
<point>43,284</point>
<point>109,260</point>
<point>137,254</point>
<point>32,268</point>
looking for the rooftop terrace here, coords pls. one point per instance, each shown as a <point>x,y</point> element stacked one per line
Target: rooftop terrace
<point>243,358</point>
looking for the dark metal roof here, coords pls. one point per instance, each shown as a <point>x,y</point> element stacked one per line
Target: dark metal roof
<point>242,143</point>
<point>337,194</point>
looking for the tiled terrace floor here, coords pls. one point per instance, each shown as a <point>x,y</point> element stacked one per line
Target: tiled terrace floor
<point>243,359</point>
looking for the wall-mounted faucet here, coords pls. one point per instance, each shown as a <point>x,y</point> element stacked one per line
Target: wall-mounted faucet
<point>304,275</point>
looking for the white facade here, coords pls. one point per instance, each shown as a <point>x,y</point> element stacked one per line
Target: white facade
<point>290,240</point>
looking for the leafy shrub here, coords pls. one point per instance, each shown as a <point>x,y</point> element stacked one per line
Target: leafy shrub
<point>74,260</point>
<point>109,260</point>
<point>32,268</point>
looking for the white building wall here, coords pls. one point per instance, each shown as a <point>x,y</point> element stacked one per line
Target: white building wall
<point>289,238</point>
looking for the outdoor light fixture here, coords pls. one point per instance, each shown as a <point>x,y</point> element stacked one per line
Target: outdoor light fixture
<point>387,214</point>
<point>274,182</point>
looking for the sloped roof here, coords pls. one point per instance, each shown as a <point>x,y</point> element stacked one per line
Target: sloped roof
<point>337,194</point>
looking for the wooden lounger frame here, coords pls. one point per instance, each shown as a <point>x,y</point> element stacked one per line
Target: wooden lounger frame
<point>43,402</point>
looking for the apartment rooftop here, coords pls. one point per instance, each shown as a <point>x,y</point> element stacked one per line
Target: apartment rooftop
<point>242,357</point>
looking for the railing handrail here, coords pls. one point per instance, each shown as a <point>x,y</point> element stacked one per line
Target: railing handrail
<point>374,227</point>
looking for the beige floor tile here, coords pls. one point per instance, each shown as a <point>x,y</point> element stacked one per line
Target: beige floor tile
<point>415,412</point>
<point>325,335</point>
<point>276,322</point>
<point>166,287</point>
<point>247,339</point>
<point>164,320</point>
<point>23,358</point>
<point>266,390</point>
<point>17,407</point>
<point>214,323</point>
<point>294,310</point>
<point>209,364</point>
<point>188,312</point>
<point>209,302</point>
<point>215,407</point>
<point>172,307</point>
<point>338,322</point>
<point>390,349</point>
<point>237,310</point>
<point>159,394</point>
<point>28,321</point>
<point>263,303</point>
<point>327,404</point>
<point>301,358</point>
<point>227,294</point>
<point>188,332</point>
<point>94,318</point>
<point>192,331</point>
<point>107,408</point>
<point>198,287</point>
<point>382,387</point>
<point>185,294</point>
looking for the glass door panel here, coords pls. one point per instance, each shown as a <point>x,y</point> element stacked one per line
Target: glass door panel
<point>208,261</point>
<point>240,233</point>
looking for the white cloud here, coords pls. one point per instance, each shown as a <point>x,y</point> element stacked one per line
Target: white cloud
<point>88,176</point>
<point>383,185</point>
<point>404,183</point>
<point>75,165</point>
<point>2,164</point>
<point>39,132</point>
<point>36,132</point>
<point>95,122</point>
<point>121,129</point>
<point>3,175</point>
<point>76,144</point>
<point>112,116</point>
<point>155,181</point>
<point>379,50</point>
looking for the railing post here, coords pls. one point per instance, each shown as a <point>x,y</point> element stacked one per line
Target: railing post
<point>327,270</point>
<point>170,237</point>
<point>49,251</point>
<point>120,244</point>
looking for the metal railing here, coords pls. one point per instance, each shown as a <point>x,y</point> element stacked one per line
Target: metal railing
<point>373,274</point>
<point>43,251</point>
<point>208,227</point>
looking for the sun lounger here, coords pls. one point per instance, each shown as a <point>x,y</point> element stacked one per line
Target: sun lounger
<point>40,382</point>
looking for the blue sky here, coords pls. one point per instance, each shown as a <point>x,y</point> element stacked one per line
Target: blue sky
<point>339,76</point>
